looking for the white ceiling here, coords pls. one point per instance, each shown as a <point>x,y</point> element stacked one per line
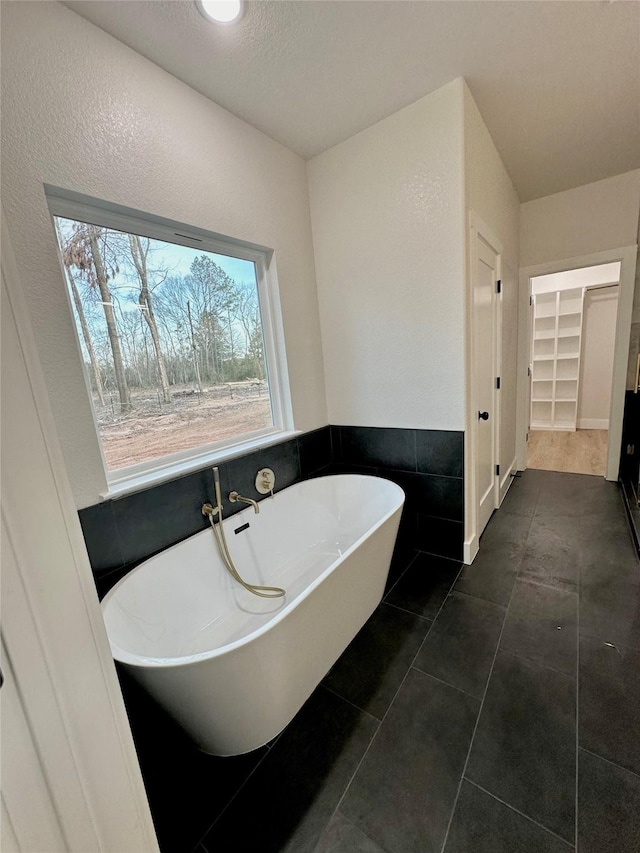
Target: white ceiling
<point>557,81</point>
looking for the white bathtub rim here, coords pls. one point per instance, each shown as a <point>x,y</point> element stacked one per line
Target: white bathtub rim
<point>134,660</point>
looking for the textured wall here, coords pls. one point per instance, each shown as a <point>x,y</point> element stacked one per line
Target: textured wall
<point>588,219</point>
<point>488,188</point>
<point>387,210</point>
<point>83,112</point>
<point>489,193</point>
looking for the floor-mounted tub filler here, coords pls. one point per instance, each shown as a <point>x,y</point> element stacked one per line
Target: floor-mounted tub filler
<point>233,668</point>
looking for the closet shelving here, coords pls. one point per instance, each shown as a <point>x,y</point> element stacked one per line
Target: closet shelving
<point>557,333</point>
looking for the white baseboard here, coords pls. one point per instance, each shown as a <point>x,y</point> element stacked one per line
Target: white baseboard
<point>470,549</point>
<point>593,423</point>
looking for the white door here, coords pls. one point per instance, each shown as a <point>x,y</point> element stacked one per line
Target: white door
<point>485,348</point>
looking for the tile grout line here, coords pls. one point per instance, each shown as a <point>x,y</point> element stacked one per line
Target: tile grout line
<point>476,598</point>
<point>445,683</point>
<point>223,811</point>
<point>348,785</point>
<point>517,811</point>
<point>608,761</point>
<point>400,576</point>
<point>433,622</point>
<point>386,713</point>
<point>408,612</point>
<point>537,663</point>
<point>486,687</point>
<point>348,702</point>
<point>601,639</point>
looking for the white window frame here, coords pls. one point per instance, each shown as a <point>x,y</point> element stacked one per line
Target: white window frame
<point>70,205</point>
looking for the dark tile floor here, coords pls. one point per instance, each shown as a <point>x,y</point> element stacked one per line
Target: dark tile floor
<point>493,708</point>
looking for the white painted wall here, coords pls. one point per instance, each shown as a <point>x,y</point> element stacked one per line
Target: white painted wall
<point>491,195</point>
<point>83,112</point>
<point>587,219</point>
<point>387,214</point>
<point>596,366</point>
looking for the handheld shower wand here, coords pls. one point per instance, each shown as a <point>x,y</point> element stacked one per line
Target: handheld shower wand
<point>218,531</point>
<point>208,509</point>
<point>216,486</point>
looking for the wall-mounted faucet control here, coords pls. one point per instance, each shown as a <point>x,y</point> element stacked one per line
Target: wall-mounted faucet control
<point>265,481</point>
<point>234,497</point>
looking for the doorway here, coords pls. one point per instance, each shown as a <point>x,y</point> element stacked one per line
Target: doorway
<point>573,325</point>
<point>484,354</point>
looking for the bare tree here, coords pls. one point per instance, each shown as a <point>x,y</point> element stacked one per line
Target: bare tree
<point>84,251</point>
<point>139,253</point>
<point>248,314</point>
<point>84,325</point>
<point>220,296</point>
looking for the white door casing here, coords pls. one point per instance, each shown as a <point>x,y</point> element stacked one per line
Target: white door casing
<point>486,274</point>
<point>627,257</point>
<point>483,369</point>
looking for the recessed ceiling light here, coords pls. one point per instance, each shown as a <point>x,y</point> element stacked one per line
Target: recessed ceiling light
<point>220,11</point>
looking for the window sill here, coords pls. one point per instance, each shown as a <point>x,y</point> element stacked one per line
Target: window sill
<point>138,482</point>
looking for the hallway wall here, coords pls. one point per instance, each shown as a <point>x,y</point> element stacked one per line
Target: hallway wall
<point>596,366</point>
<point>592,218</point>
<point>490,195</point>
<point>598,221</point>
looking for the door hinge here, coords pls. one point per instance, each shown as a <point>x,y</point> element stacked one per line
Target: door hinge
<point>498,470</point>
<point>527,438</point>
<point>499,286</point>
<point>528,371</point>
<point>531,300</point>
<point>498,382</point>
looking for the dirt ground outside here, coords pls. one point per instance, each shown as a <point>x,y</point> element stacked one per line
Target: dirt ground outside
<point>155,429</point>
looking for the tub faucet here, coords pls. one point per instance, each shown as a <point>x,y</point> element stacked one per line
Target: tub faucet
<point>234,497</point>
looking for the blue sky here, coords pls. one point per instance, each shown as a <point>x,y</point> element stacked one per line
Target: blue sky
<point>180,258</point>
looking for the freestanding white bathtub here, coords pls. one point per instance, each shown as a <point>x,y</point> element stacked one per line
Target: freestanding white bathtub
<point>231,668</point>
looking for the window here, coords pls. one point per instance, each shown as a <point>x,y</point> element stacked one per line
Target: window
<point>177,332</point>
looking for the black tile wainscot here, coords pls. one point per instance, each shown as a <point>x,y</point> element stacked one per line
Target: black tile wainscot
<point>427,464</point>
